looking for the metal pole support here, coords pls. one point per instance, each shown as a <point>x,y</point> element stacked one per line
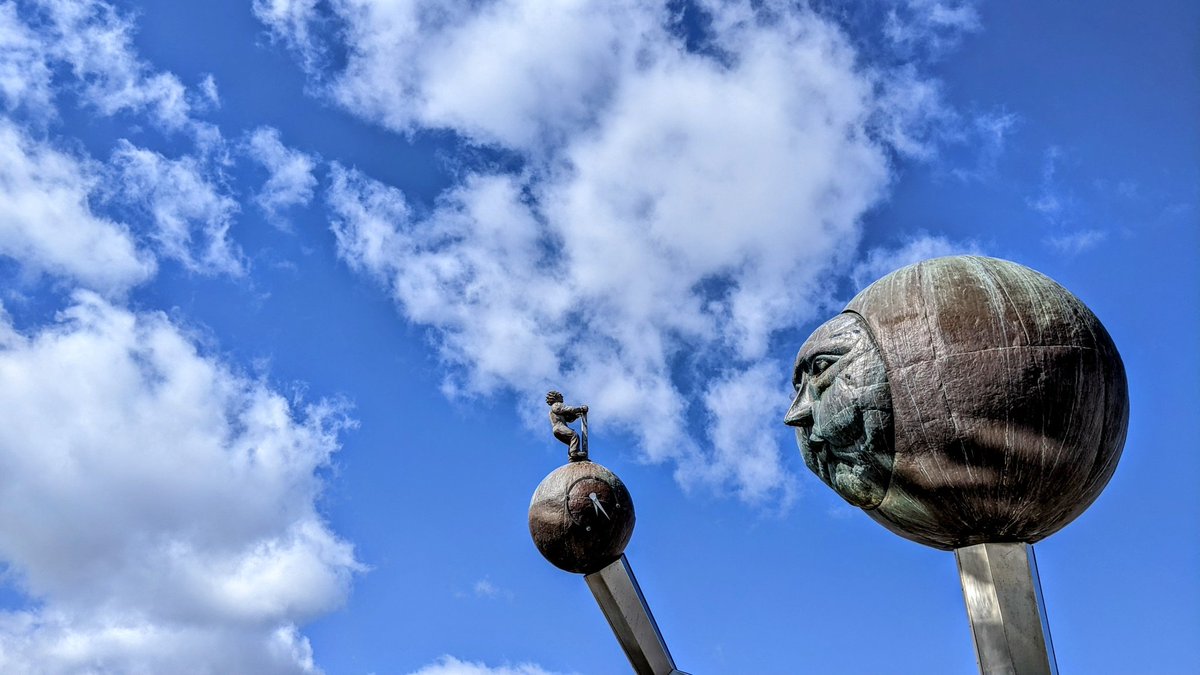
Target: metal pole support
<point>1005,606</point>
<point>583,434</point>
<point>620,598</point>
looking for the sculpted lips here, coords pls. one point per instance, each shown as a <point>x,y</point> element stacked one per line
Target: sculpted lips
<point>826,456</point>
<point>819,457</point>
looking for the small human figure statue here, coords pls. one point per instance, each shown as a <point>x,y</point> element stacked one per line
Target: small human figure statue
<point>560,416</point>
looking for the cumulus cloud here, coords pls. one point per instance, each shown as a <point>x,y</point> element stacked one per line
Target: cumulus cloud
<point>290,181</point>
<point>158,506</point>
<point>521,74</point>
<point>190,212</point>
<point>673,210</point>
<point>741,405</point>
<point>448,665</point>
<point>46,221</point>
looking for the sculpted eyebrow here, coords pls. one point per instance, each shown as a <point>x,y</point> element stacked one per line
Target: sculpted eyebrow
<point>836,348</point>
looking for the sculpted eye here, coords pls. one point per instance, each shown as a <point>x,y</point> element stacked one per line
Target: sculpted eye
<point>821,363</point>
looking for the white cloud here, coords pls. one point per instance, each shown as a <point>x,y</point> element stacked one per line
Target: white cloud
<point>289,20</point>
<point>741,405</point>
<point>1050,201</point>
<point>290,181</point>
<point>46,221</point>
<point>85,47</point>
<point>191,214</point>
<point>1077,242</point>
<point>932,25</point>
<point>472,270</point>
<point>448,665</point>
<point>25,75</point>
<point>208,89</point>
<point>521,74</point>
<point>880,261</point>
<point>484,588</point>
<point>158,506</point>
<point>96,43</point>
<point>674,211</point>
<point>912,117</point>
<point>987,137</point>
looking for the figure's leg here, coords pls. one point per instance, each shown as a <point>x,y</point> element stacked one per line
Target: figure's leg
<point>567,435</point>
<point>564,433</point>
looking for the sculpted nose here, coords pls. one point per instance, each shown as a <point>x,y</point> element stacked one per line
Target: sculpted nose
<point>800,414</point>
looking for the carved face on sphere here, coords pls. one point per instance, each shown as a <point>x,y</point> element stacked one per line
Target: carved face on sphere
<point>843,411</point>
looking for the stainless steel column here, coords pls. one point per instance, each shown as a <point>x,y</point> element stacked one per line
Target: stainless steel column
<point>620,598</point>
<point>1004,604</point>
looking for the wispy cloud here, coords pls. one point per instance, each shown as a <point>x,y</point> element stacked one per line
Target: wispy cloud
<point>986,137</point>
<point>1077,242</point>
<point>1050,201</point>
<point>448,665</point>
<point>25,68</point>
<point>95,42</point>
<point>290,180</point>
<point>1072,219</point>
<point>190,211</point>
<point>85,47</point>
<point>880,261</point>
<point>931,27</point>
<point>484,588</point>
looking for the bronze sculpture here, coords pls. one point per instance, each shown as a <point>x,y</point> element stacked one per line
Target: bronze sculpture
<point>581,518</point>
<point>581,515</point>
<point>999,416</point>
<point>560,416</point>
<point>971,404</point>
<point>843,412</point>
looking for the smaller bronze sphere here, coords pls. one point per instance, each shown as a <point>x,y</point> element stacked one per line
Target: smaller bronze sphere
<point>581,517</point>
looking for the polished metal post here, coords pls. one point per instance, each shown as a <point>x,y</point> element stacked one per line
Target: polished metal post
<point>583,434</point>
<point>1005,606</point>
<point>620,598</point>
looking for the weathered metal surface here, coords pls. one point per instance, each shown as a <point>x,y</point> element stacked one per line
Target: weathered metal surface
<point>843,412</point>
<point>620,598</point>
<point>1008,402</point>
<point>581,517</point>
<point>1004,602</point>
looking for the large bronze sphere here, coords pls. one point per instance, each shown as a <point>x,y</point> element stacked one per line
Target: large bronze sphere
<point>963,400</point>
<point>581,517</point>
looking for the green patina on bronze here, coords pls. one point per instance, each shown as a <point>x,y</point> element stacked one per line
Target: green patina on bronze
<point>1006,412</point>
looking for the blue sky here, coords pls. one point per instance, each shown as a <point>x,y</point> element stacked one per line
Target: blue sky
<point>284,283</point>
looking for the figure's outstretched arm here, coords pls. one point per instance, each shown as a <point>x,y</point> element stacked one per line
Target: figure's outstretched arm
<point>575,411</point>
